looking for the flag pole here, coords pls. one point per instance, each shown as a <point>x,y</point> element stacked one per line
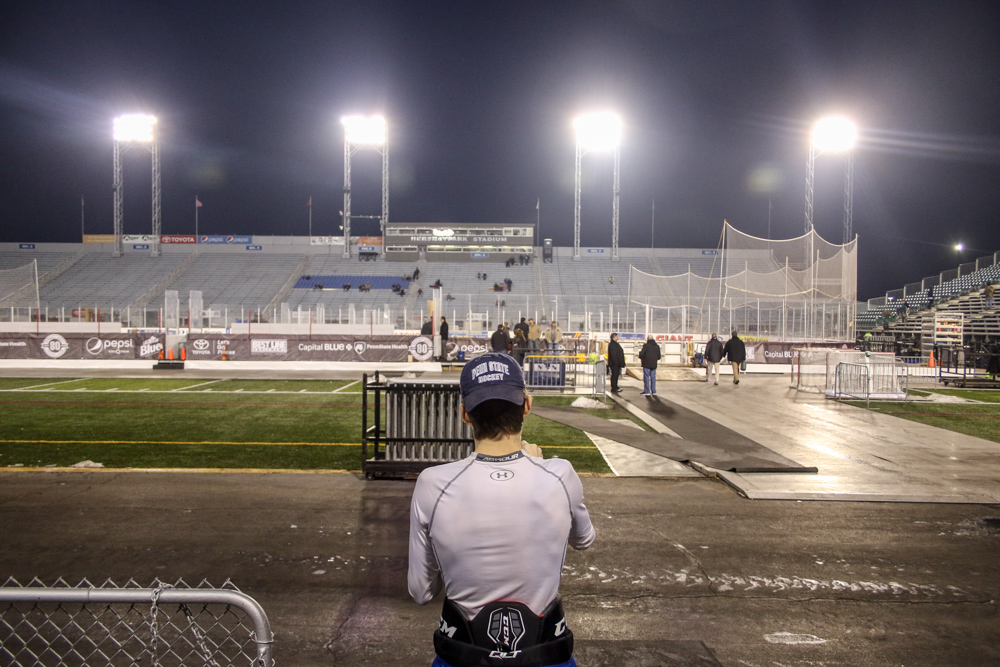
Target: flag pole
<point>538,219</point>
<point>197,205</point>
<point>310,205</point>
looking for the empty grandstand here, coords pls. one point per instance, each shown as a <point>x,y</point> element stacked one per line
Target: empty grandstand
<point>480,276</point>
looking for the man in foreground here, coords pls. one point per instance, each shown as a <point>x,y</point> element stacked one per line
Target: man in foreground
<point>492,531</point>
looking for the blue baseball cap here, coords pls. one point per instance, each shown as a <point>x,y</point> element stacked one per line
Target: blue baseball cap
<point>492,376</point>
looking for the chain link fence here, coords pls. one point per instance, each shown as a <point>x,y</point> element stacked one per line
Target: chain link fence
<point>164,625</point>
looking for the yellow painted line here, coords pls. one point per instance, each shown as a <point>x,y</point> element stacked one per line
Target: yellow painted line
<point>172,442</point>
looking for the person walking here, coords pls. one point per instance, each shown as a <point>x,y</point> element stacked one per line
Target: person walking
<point>616,361</point>
<point>492,530</point>
<point>649,355</point>
<point>500,341</point>
<point>534,335</point>
<point>714,351</point>
<point>736,353</point>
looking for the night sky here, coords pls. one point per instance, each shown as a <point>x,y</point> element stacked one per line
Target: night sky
<point>717,98</point>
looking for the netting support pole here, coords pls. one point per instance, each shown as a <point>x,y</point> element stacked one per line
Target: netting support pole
<point>849,198</point>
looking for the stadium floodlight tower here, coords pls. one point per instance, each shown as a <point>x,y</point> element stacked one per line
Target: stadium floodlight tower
<point>832,135</point>
<point>129,130</point>
<point>364,132</point>
<point>597,132</point>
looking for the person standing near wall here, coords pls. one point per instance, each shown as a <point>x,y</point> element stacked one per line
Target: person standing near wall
<point>649,355</point>
<point>534,335</point>
<point>616,361</point>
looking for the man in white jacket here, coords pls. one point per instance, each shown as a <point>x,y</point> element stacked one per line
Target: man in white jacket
<point>492,531</point>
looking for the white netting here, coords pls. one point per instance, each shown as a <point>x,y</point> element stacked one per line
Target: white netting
<point>802,288</point>
<point>846,372</point>
<point>17,286</point>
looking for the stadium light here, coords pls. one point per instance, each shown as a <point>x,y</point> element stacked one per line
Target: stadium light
<point>363,130</point>
<point>134,127</point>
<point>131,129</point>
<point>959,247</point>
<point>835,134</point>
<point>597,132</point>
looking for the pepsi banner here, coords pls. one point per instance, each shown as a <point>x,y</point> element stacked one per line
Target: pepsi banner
<point>231,240</point>
<point>79,346</point>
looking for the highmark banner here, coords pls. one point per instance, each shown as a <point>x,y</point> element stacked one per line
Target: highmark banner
<point>309,348</point>
<point>80,346</point>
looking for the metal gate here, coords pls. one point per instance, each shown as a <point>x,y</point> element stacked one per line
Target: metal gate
<point>421,426</point>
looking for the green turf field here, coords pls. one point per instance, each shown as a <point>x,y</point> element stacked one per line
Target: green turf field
<point>190,423</point>
<point>981,419</point>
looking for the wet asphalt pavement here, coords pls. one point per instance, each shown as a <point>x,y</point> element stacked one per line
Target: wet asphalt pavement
<point>682,570</point>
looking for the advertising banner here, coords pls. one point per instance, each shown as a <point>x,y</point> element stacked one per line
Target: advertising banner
<point>370,240</point>
<point>770,352</point>
<point>326,240</point>
<point>222,239</point>
<point>79,346</point>
<point>98,238</point>
<point>309,348</point>
<point>178,238</point>
<point>138,238</point>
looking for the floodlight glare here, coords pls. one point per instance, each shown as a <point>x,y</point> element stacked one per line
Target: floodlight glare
<point>363,130</point>
<point>134,127</point>
<point>598,131</point>
<point>834,134</point>
<point>959,247</point>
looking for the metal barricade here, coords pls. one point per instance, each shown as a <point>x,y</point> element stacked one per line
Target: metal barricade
<point>866,380</point>
<point>421,426</point>
<point>565,371</point>
<point>163,625</point>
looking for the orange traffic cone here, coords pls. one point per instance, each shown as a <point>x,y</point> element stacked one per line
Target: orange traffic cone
<point>170,354</point>
<point>160,355</point>
<point>930,362</point>
<point>224,355</point>
<point>184,354</point>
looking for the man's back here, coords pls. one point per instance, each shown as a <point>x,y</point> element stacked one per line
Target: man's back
<point>484,517</point>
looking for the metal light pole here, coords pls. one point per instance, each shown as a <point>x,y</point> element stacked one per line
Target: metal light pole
<point>832,135</point>
<point>130,129</point>
<point>597,132</point>
<point>364,132</point>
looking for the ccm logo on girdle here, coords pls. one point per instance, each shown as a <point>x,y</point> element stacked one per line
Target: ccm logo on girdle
<point>502,475</point>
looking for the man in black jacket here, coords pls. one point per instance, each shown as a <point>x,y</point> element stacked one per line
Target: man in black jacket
<point>444,339</point>
<point>649,355</point>
<point>500,340</point>
<point>616,361</point>
<point>736,352</point>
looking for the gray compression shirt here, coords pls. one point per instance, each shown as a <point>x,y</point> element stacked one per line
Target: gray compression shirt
<point>495,528</point>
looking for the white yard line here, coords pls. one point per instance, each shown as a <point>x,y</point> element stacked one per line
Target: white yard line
<point>337,391</point>
<point>44,384</point>
<point>192,386</point>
